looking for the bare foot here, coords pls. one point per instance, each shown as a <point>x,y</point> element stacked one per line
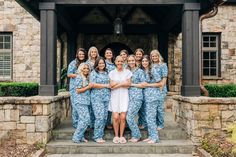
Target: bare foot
<point>100,140</point>
<point>134,140</point>
<point>146,140</point>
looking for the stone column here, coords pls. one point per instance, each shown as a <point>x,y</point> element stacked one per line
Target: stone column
<point>48,28</point>
<point>190,45</point>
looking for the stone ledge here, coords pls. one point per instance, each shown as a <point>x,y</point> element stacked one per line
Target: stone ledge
<point>33,99</point>
<point>202,153</point>
<point>205,100</point>
<point>39,153</point>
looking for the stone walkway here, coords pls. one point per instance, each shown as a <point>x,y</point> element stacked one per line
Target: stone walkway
<point>118,155</point>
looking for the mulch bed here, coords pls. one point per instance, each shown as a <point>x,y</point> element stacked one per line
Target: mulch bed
<point>10,149</point>
<point>217,145</point>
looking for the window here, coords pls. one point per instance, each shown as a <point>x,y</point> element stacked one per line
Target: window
<point>5,56</point>
<point>211,55</point>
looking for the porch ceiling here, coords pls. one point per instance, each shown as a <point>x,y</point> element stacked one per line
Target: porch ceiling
<point>162,18</point>
<point>167,14</point>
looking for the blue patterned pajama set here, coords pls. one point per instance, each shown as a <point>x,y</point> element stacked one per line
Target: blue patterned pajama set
<point>152,98</point>
<point>72,68</point>
<point>91,67</point>
<point>135,102</point>
<point>100,100</point>
<point>110,66</point>
<point>160,112</point>
<point>82,103</point>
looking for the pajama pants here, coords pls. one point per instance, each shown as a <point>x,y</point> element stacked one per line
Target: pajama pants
<point>134,107</point>
<point>92,118</point>
<point>100,112</point>
<point>151,113</point>
<point>109,118</point>
<point>83,122</point>
<point>160,114</point>
<point>74,113</point>
<point>142,115</point>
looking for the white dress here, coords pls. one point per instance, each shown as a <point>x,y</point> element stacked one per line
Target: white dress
<point>119,97</point>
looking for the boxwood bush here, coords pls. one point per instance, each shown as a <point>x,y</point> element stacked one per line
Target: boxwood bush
<point>221,90</point>
<point>18,89</point>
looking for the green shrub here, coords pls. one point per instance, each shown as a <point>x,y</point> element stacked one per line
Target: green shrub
<point>62,90</point>
<point>221,90</point>
<point>63,78</point>
<point>18,89</point>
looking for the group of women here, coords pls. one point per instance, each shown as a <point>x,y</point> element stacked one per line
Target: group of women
<point>103,90</point>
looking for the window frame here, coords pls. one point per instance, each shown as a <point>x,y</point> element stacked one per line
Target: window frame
<point>218,54</point>
<point>2,79</point>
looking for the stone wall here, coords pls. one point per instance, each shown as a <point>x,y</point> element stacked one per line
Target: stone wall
<point>201,115</point>
<point>26,40</point>
<point>175,63</point>
<point>225,23</point>
<point>31,119</point>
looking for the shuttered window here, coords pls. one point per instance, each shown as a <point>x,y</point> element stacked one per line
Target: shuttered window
<point>5,56</point>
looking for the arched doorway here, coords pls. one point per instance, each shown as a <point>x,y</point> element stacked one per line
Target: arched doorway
<point>116,47</point>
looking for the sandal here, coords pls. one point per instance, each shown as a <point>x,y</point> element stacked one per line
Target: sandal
<point>116,140</point>
<point>134,140</point>
<point>100,140</point>
<point>122,140</point>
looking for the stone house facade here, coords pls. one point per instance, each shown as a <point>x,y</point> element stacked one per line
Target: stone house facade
<point>20,45</point>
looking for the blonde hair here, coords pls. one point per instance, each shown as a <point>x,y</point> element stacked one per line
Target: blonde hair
<point>89,52</point>
<point>161,60</point>
<point>79,71</point>
<point>118,57</point>
<point>134,60</point>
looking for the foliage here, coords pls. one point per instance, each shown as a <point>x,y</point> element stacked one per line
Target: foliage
<point>221,90</point>
<point>217,144</point>
<point>232,130</point>
<point>63,78</point>
<point>62,90</point>
<point>39,146</point>
<point>18,89</point>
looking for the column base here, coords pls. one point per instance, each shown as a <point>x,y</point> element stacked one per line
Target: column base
<point>190,91</point>
<point>48,90</point>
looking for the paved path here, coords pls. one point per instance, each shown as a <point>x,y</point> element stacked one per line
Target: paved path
<point>119,155</point>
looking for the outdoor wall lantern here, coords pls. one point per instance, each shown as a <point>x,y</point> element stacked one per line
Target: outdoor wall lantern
<point>118,26</point>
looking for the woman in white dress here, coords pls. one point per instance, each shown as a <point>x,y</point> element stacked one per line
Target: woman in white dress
<point>120,80</point>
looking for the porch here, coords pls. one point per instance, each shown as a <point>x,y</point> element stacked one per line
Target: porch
<point>161,19</point>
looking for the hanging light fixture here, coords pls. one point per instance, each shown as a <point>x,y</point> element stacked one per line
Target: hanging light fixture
<point>118,26</point>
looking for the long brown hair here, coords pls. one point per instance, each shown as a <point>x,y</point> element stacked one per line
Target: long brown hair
<point>78,62</point>
<point>109,49</point>
<point>149,66</point>
<point>97,62</point>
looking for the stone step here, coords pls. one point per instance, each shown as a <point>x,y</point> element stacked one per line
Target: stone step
<point>164,147</point>
<point>165,134</point>
<point>171,131</point>
<point>118,155</point>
